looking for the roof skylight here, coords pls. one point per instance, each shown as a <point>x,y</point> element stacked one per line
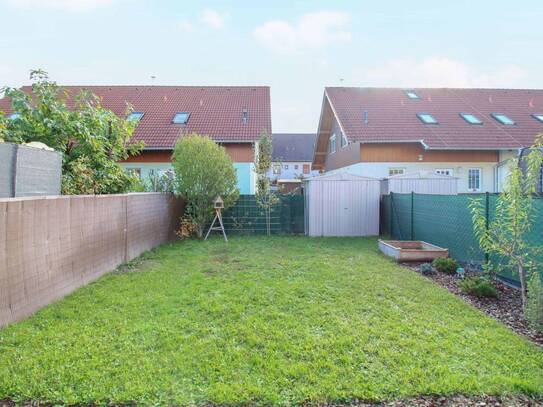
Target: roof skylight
<point>503,119</point>
<point>411,94</point>
<point>427,118</point>
<point>471,118</point>
<point>538,116</point>
<point>181,118</point>
<point>136,116</point>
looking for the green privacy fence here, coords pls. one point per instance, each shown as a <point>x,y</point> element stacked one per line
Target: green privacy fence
<point>246,217</point>
<point>446,221</point>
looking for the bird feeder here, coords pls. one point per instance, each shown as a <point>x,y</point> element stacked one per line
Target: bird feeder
<point>218,203</point>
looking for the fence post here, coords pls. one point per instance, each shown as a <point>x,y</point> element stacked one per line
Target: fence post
<point>412,216</point>
<point>487,220</point>
<point>391,215</point>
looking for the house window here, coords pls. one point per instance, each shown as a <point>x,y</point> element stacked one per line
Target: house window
<point>503,119</point>
<point>295,166</point>
<point>474,179</point>
<point>538,116</point>
<point>427,118</point>
<point>471,118</point>
<point>333,144</point>
<point>276,169</point>
<point>444,171</point>
<point>136,116</point>
<point>306,168</point>
<point>181,118</point>
<point>411,94</point>
<point>396,171</point>
<point>344,140</point>
<point>245,116</point>
<point>285,166</point>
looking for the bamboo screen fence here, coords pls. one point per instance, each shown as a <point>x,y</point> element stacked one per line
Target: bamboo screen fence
<point>50,246</point>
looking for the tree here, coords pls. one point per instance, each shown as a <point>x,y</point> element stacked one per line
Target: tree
<point>506,234</point>
<point>92,139</point>
<point>265,198</point>
<point>203,171</point>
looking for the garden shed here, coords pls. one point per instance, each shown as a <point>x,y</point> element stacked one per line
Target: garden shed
<point>342,204</point>
<point>421,182</point>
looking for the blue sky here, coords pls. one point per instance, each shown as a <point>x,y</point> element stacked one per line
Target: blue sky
<point>296,47</point>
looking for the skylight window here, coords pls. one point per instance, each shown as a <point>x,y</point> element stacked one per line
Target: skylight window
<point>411,94</point>
<point>181,118</point>
<point>427,118</point>
<point>470,118</point>
<point>14,116</point>
<point>503,119</point>
<point>245,116</point>
<point>538,116</point>
<point>136,116</point>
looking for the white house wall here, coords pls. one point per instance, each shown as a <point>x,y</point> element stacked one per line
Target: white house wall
<point>460,170</point>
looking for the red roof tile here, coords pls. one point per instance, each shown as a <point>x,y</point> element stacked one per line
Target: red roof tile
<point>392,116</point>
<point>215,111</point>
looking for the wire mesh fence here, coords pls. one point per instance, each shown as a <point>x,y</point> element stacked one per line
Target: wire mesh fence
<point>247,217</point>
<point>446,221</point>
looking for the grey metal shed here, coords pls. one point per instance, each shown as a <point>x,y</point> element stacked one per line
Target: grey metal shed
<point>421,182</point>
<point>342,204</point>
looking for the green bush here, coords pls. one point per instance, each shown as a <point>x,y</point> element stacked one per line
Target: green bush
<point>445,265</point>
<point>426,269</point>
<point>478,287</point>
<point>534,306</point>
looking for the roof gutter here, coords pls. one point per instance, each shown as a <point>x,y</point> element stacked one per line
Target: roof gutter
<point>145,148</point>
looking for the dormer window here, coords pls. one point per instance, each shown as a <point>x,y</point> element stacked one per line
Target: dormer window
<point>135,116</point>
<point>245,116</point>
<point>411,94</point>
<point>427,118</point>
<point>503,119</point>
<point>181,118</point>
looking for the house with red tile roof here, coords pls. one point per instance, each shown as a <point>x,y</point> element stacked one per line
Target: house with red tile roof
<point>233,116</point>
<point>466,133</point>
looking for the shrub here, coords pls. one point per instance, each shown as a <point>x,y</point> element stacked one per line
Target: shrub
<point>445,265</point>
<point>426,269</point>
<point>478,287</point>
<point>534,305</point>
<point>203,171</point>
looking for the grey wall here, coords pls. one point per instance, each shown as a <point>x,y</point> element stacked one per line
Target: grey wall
<point>28,171</point>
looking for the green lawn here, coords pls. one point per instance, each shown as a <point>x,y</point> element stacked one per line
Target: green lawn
<point>262,320</point>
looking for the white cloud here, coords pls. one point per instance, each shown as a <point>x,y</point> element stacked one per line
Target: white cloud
<point>440,72</point>
<point>213,18</point>
<point>311,31</point>
<point>68,5</point>
<point>186,26</point>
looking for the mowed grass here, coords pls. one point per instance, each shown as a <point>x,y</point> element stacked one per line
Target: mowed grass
<point>280,320</point>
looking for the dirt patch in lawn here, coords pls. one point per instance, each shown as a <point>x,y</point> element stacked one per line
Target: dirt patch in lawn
<point>507,308</point>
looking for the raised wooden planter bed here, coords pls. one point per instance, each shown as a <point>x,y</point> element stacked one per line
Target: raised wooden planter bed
<point>411,250</point>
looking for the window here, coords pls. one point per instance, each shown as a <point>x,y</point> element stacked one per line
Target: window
<point>277,169</point>
<point>333,144</point>
<point>136,116</point>
<point>470,118</point>
<point>427,118</point>
<point>474,179</point>
<point>181,118</point>
<point>395,171</point>
<point>14,116</point>
<point>411,94</point>
<point>295,166</point>
<point>538,116</point>
<point>307,168</point>
<point>285,166</point>
<point>344,141</point>
<point>503,119</point>
<point>444,171</point>
<point>245,116</point>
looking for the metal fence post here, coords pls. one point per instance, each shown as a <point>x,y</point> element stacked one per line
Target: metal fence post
<point>487,220</point>
<point>412,216</point>
<point>391,214</point>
